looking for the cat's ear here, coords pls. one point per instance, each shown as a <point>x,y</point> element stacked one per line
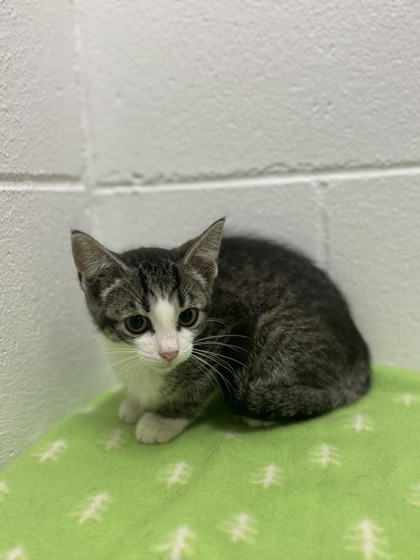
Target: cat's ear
<point>202,251</point>
<point>92,259</point>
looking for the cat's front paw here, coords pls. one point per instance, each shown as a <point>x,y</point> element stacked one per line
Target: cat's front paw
<point>153,428</point>
<point>130,411</point>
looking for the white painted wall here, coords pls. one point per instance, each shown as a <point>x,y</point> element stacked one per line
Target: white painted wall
<point>200,89</point>
<point>49,362</point>
<point>49,359</point>
<point>141,122</point>
<point>39,113</point>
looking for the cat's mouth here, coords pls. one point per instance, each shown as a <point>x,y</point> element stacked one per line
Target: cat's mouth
<point>163,365</point>
<point>168,366</point>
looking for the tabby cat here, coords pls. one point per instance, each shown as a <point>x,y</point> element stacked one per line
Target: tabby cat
<point>247,318</point>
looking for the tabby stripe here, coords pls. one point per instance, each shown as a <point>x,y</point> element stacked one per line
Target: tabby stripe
<point>145,288</point>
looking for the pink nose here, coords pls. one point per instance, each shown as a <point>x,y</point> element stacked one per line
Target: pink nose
<point>169,356</point>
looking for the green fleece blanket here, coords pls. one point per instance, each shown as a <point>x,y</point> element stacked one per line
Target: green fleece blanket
<point>344,486</point>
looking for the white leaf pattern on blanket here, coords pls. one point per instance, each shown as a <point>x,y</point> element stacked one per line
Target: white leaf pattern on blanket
<point>4,490</point>
<point>115,440</point>
<point>176,473</point>
<point>268,476</point>
<point>360,423</point>
<point>367,537</point>
<point>52,452</point>
<point>93,508</point>
<point>262,475</point>
<point>406,399</point>
<point>231,433</point>
<point>177,546</point>
<point>325,455</point>
<point>414,495</point>
<point>240,527</point>
<point>16,553</point>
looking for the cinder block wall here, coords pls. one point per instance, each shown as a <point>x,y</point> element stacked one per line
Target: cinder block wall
<point>141,122</point>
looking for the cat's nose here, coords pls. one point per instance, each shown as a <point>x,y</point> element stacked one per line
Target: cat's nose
<point>169,356</point>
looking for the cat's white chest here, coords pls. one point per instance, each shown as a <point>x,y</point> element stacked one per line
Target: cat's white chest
<point>142,382</point>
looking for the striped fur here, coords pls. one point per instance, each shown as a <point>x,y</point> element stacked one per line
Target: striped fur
<point>274,335</point>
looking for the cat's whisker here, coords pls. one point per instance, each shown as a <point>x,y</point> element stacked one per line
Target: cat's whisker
<point>224,364</point>
<point>125,353</point>
<point>216,341</point>
<point>135,364</point>
<point>205,370</point>
<point>219,361</point>
<point>120,351</point>
<point>134,360</point>
<point>223,336</point>
<point>202,357</point>
<point>221,357</point>
<point>212,343</point>
<point>122,360</point>
<point>218,354</point>
<point>214,320</point>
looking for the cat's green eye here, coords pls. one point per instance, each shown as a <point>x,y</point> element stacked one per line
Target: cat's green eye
<point>137,324</point>
<point>188,317</point>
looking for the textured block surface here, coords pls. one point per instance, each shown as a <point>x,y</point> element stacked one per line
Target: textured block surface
<point>39,113</point>
<point>49,356</point>
<point>130,218</point>
<point>196,89</point>
<point>373,247</point>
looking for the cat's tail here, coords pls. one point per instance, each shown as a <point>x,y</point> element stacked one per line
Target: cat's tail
<point>279,403</point>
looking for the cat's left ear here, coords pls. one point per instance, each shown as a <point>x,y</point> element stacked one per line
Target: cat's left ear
<point>202,251</point>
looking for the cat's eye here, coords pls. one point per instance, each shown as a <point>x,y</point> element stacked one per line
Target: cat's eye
<point>137,324</point>
<point>188,317</point>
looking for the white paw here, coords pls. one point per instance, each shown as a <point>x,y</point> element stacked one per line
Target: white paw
<point>130,411</point>
<point>153,428</point>
<point>255,423</point>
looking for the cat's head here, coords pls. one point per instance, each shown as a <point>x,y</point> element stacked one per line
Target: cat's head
<point>153,299</point>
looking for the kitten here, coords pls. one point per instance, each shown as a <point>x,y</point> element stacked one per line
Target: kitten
<point>245,317</point>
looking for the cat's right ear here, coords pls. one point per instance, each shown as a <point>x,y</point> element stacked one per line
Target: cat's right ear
<point>93,259</point>
<point>203,251</point>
